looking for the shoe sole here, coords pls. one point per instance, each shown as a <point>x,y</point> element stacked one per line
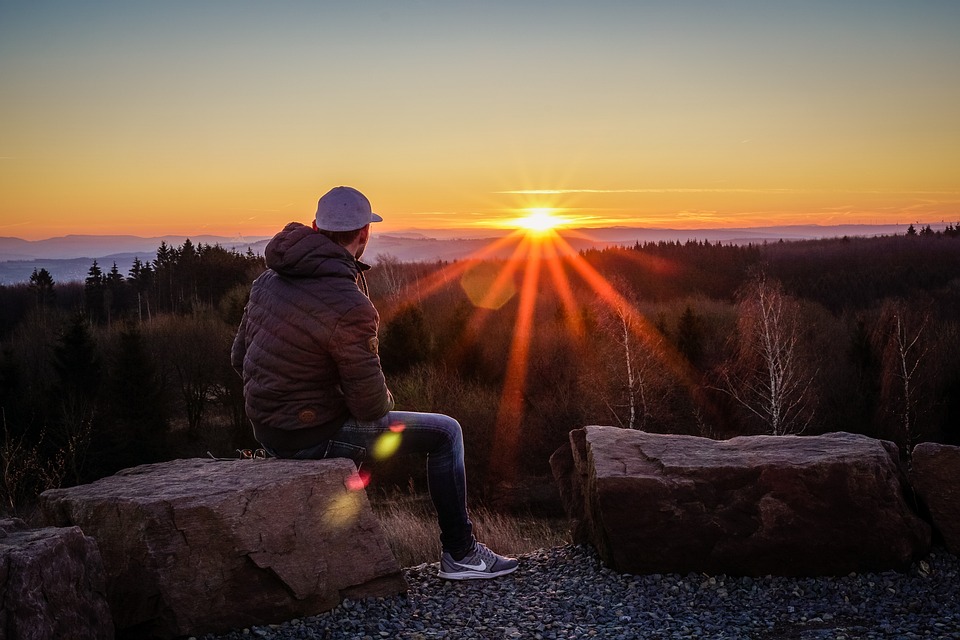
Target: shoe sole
<point>475,575</point>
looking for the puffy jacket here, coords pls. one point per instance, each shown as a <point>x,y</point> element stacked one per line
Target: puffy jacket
<point>307,344</point>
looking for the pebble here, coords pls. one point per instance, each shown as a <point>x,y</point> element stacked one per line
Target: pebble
<point>565,592</point>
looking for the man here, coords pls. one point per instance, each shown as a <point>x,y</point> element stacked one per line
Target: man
<point>312,382</point>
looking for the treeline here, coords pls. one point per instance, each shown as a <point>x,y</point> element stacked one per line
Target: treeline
<point>120,370</point>
<point>698,338</point>
<point>178,280</point>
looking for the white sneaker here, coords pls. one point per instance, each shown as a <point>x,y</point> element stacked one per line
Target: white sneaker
<point>480,563</point>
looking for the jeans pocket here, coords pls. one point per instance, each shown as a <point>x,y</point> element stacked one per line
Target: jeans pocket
<point>337,449</point>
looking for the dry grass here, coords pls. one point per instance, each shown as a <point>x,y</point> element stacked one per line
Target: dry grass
<point>410,524</point>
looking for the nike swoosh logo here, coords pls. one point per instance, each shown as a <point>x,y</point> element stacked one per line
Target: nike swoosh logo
<point>476,567</point>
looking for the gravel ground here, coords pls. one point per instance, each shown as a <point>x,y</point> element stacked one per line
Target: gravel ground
<point>565,592</point>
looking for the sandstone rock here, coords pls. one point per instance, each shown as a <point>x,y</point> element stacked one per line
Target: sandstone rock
<point>936,479</point>
<point>52,585</point>
<point>758,505</point>
<point>196,546</point>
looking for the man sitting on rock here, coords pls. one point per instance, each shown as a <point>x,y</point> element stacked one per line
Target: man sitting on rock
<point>312,382</point>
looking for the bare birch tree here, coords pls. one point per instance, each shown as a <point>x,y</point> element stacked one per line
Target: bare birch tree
<point>904,353</point>
<point>769,377</point>
<point>634,359</point>
<point>391,276</point>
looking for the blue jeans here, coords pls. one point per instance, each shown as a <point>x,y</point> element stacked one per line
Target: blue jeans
<point>402,432</point>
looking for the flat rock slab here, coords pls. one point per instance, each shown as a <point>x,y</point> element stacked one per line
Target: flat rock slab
<point>52,584</point>
<point>755,505</point>
<point>197,546</point>
<point>936,478</point>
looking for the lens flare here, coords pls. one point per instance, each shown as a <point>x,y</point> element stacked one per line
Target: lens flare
<point>540,220</point>
<point>386,444</point>
<point>358,481</point>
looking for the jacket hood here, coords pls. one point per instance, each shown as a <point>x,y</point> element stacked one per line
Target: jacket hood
<point>300,252</point>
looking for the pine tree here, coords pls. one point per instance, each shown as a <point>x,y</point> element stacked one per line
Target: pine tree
<point>690,336</point>
<point>114,293</point>
<point>93,292</point>
<point>141,279</point>
<point>405,340</point>
<point>188,260</point>
<point>77,365</point>
<point>163,267</point>
<point>41,283</point>
<point>138,426</point>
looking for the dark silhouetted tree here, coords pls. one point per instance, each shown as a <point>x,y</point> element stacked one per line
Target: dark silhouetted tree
<point>135,395</point>
<point>41,284</point>
<point>405,341</point>
<point>115,298</point>
<point>163,267</point>
<point>863,402</point>
<point>690,336</point>
<point>140,278</point>
<point>77,365</point>
<point>93,292</point>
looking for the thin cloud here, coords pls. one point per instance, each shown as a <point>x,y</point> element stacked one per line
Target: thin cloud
<point>537,192</point>
<point>14,224</point>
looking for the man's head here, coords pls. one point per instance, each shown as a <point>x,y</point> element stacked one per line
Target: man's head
<point>344,215</point>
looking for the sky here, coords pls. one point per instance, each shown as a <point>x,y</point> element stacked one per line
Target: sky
<point>232,118</point>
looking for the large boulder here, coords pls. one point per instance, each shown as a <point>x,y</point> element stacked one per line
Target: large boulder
<point>196,546</point>
<point>52,584</point>
<point>755,505</point>
<point>936,479</point>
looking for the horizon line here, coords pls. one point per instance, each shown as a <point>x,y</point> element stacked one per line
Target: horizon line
<point>475,229</point>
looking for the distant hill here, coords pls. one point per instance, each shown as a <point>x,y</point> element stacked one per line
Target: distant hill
<point>82,246</point>
<point>68,258</point>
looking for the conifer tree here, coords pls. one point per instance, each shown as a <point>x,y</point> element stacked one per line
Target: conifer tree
<point>163,267</point>
<point>135,397</point>
<point>114,293</point>
<point>77,365</point>
<point>93,291</point>
<point>405,340</point>
<point>140,278</point>
<point>41,284</point>
<point>690,336</point>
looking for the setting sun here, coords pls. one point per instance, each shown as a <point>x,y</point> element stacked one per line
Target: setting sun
<point>539,220</point>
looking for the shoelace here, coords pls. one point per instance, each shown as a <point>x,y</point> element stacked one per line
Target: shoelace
<point>486,554</point>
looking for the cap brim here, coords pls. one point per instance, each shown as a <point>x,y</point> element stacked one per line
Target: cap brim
<point>375,218</point>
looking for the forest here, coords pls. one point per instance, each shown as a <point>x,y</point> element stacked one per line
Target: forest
<point>849,334</point>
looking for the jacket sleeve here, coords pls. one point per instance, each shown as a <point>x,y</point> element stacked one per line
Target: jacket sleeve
<point>355,348</point>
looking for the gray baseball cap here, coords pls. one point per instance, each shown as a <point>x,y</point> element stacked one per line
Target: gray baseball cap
<point>344,209</point>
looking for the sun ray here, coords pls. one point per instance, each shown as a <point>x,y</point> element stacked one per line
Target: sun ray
<point>510,413</point>
<point>446,275</point>
<point>561,283</point>
<point>642,329</point>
